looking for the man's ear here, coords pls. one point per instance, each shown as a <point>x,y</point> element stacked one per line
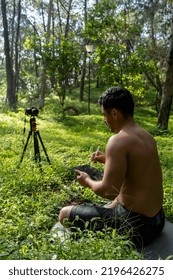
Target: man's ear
<point>114,113</point>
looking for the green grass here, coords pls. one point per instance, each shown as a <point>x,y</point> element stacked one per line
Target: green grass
<point>30,199</point>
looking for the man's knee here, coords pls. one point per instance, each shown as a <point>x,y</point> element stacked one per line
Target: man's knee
<point>64,213</point>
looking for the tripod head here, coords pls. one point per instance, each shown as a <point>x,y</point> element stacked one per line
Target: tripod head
<point>33,112</point>
<point>33,125</point>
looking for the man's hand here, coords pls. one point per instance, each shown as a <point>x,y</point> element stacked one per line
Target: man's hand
<point>98,156</point>
<point>82,178</point>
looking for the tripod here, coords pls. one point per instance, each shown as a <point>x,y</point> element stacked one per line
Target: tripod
<point>36,137</point>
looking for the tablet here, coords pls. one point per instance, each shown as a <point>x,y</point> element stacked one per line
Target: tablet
<point>93,172</point>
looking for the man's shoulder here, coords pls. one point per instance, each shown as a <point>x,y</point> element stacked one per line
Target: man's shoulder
<point>120,140</point>
<point>130,138</point>
<point>121,136</point>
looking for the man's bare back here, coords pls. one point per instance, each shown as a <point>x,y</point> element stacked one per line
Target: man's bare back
<point>141,189</point>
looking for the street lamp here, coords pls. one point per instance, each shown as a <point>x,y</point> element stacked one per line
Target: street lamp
<point>89,49</point>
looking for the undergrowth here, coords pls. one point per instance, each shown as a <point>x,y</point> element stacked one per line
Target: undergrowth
<point>32,194</point>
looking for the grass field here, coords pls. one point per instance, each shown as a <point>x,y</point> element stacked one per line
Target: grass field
<point>30,196</point>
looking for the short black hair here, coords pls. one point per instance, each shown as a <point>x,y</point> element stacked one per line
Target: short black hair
<point>118,98</point>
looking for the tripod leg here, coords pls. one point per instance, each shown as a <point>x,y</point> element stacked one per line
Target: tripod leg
<point>24,150</point>
<point>36,148</point>
<point>39,136</point>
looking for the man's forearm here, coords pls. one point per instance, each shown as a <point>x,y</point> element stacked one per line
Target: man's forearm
<point>99,188</point>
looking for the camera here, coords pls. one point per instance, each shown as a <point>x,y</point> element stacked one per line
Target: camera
<point>32,111</point>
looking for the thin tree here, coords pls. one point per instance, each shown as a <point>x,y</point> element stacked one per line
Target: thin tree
<point>166,101</point>
<point>11,98</point>
<point>83,71</point>
<point>43,79</point>
<point>16,50</point>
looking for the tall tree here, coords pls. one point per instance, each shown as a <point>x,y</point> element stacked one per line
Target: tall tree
<point>11,97</point>
<point>11,24</point>
<point>16,51</point>
<point>83,70</point>
<point>43,78</point>
<point>166,101</point>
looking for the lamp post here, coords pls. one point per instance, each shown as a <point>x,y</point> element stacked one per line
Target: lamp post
<point>89,49</point>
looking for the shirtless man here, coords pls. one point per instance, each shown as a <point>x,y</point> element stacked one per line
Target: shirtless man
<point>132,177</point>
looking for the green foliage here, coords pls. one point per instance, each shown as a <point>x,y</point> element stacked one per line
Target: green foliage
<point>60,60</point>
<point>118,62</point>
<point>125,53</point>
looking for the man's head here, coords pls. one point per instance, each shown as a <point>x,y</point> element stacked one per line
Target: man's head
<point>118,98</point>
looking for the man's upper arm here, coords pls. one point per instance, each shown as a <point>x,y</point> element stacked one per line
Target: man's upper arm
<point>115,166</point>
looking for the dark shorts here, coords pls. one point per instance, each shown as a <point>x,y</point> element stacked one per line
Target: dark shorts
<point>140,229</point>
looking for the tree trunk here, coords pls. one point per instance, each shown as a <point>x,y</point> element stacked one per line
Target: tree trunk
<point>16,76</point>
<point>166,101</point>
<point>82,82</point>
<point>9,66</point>
<point>44,77</point>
